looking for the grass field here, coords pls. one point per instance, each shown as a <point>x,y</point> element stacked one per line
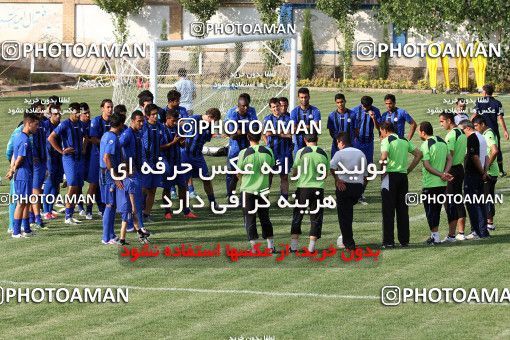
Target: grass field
<point>222,300</point>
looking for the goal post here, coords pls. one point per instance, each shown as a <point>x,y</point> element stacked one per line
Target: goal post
<point>222,68</point>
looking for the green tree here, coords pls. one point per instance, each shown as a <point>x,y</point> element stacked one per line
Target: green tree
<point>342,11</point>
<point>268,10</point>
<point>120,10</point>
<point>308,51</point>
<point>384,62</point>
<point>202,9</point>
<point>483,20</point>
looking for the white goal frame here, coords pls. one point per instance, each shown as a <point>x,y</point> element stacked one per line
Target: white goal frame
<point>157,44</point>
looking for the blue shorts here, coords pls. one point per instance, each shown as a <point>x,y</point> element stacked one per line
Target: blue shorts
<point>23,188</point>
<point>151,181</point>
<point>368,150</point>
<point>73,171</point>
<point>133,185</point>
<point>197,163</point>
<point>86,166</point>
<point>179,180</point>
<point>39,175</point>
<point>56,173</point>
<point>283,162</point>
<point>122,203</point>
<point>93,171</point>
<point>107,189</point>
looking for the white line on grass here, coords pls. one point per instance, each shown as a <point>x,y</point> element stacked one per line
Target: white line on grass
<point>198,290</point>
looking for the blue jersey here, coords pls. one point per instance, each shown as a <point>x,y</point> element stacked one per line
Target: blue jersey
<point>86,132</point>
<point>282,147</point>
<point>71,135</point>
<point>39,144</point>
<point>235,145</point>
<point>365,124</point>
<point>490,108</point>
<point>173,153</point>
<point>398,117</point>
<point>23,147</point>
<point>53,157</point>
<point>297,115</point>
<point>131,144</point>
<point>152,139</point>
<point>341,122</point>
<point>109,145</point>
<point>193,145</point>
<point>98,126</point>
<point>183,113</point>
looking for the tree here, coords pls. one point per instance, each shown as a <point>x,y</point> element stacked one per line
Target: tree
<point>120,10</point>
<point>202,9</point>
<point>268,10</point>
<point>483,20</point>
<point>308,52</point>
<point>384,62</point>
<point>342,11</point>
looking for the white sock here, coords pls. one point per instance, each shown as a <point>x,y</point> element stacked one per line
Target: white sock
<point>435,235</point>
<point>294,243</point>
<point>311,246</point>
<point>270,243</point>
<point>253,243</point>
<point>490,225</point>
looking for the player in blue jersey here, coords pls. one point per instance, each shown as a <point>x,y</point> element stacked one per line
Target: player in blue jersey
<point>131,197</point>
<point>87,148</point>
<point>53,163</point>
<point>306,113</point>
<point>279,142</point>
<point>194,142</point>
<point>39,162</point>
<point>109,161</point>
<point>367,119</point>
<point>98,126</point>
<point>153,139</point>
<point>340,120</point>
<point>67,139</point>
<point>174,100</point>
<point>21,171</point>
<point>240,115</point>
<point>398,117</point>
<point>172,159</point>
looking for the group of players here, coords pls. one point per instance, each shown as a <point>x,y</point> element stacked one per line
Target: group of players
<point>43,149</point>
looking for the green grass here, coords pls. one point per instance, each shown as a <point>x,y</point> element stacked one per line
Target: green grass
<point>73,255</point>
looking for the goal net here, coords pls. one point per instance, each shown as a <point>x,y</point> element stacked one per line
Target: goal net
<point>219,69</point>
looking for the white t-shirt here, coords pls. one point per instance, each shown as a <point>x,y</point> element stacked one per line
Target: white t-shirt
<point>483,148</point>
<point>186,88</point>
<point>350,158</point>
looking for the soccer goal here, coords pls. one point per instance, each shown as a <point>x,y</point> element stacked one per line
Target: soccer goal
<point>220,69</point>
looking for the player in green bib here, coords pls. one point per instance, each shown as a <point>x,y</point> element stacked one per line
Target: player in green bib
<point>312,165</point>
<point>437,161</point>
<point>457,145</point>
<point>492,166</point>
<point>253,159</point>
<point>395,185</point>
